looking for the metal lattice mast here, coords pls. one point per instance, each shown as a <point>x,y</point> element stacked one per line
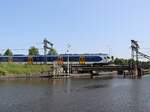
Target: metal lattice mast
<point>46,43</point>
<point>135,51</point>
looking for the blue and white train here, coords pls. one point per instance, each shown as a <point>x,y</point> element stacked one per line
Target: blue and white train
<point>60,59</point>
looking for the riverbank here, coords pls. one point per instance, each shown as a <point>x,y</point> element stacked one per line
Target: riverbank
<point>23,70</point>
<point>38,71</point>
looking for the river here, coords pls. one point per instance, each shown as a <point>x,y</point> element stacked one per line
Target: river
<point>75,95</point>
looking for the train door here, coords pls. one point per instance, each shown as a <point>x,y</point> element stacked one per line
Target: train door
<point>82,60</point>
<point>10,59</point>
<point>60,60</point>
<point>30,60</point>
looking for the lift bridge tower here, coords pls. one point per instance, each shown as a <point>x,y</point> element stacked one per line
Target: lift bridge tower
<point>135,53</point>
<point>135,59</point>
<point>46,47</point>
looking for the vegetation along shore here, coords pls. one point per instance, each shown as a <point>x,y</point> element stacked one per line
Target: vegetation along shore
<point>10,70</point>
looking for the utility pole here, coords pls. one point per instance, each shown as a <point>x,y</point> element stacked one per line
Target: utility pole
<point>45,50</point>
<point>109,50</point>
<point>68,47</point>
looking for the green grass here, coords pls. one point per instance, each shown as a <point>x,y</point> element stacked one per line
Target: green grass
<point>9,69</point>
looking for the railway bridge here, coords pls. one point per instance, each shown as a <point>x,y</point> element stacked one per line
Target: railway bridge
<point>132,69</point>
<point>91,69</point>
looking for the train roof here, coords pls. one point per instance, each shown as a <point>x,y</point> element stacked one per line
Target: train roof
<point>96,54</point>
<point>86,54</point>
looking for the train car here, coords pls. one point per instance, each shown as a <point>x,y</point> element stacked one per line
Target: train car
<point>60,59</point>
<point>85,58</point>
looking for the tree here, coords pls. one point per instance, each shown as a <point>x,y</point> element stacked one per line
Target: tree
<point>121,61</point>
<point>52,51</point>
<point>33,51</point>
<point>8,52</point>
<point>112,58</point>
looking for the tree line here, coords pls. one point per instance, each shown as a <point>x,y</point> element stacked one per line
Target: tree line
<point>121,61</point>
<point>33,51</point>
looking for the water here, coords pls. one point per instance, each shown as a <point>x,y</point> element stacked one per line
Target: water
<point>76,95</point>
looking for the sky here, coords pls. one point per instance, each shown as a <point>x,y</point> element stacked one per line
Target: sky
<point>89,26</point>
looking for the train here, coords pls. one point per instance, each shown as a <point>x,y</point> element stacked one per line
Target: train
<point>59,59</point>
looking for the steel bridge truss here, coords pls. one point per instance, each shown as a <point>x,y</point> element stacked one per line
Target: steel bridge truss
<point>135,53</point>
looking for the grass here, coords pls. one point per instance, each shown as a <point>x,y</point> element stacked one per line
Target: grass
<point>9,69</point>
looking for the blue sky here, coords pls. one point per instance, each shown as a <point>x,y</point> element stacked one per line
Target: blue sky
<point>90,26</point>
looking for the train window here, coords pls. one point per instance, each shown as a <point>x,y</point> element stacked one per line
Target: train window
<point>51,59</point>
<point>74,59</point>
<point>54,58</point>
<point>37,59</point>
<point>108,57</point>
<point>71,59</point>
<point>88,59</point>
<point>93,58</point>
<point>18,59</point>
<point>65,59</point>
<point>3,59</point>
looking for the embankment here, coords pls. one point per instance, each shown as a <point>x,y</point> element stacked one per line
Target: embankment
<point>23,70</point>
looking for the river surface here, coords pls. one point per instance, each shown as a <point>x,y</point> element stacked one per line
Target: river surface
<point>75,95</point>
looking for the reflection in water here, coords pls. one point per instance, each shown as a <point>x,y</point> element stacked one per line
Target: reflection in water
<point>75,95</point>
<point>68,86</point>
<point>95,86</point>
